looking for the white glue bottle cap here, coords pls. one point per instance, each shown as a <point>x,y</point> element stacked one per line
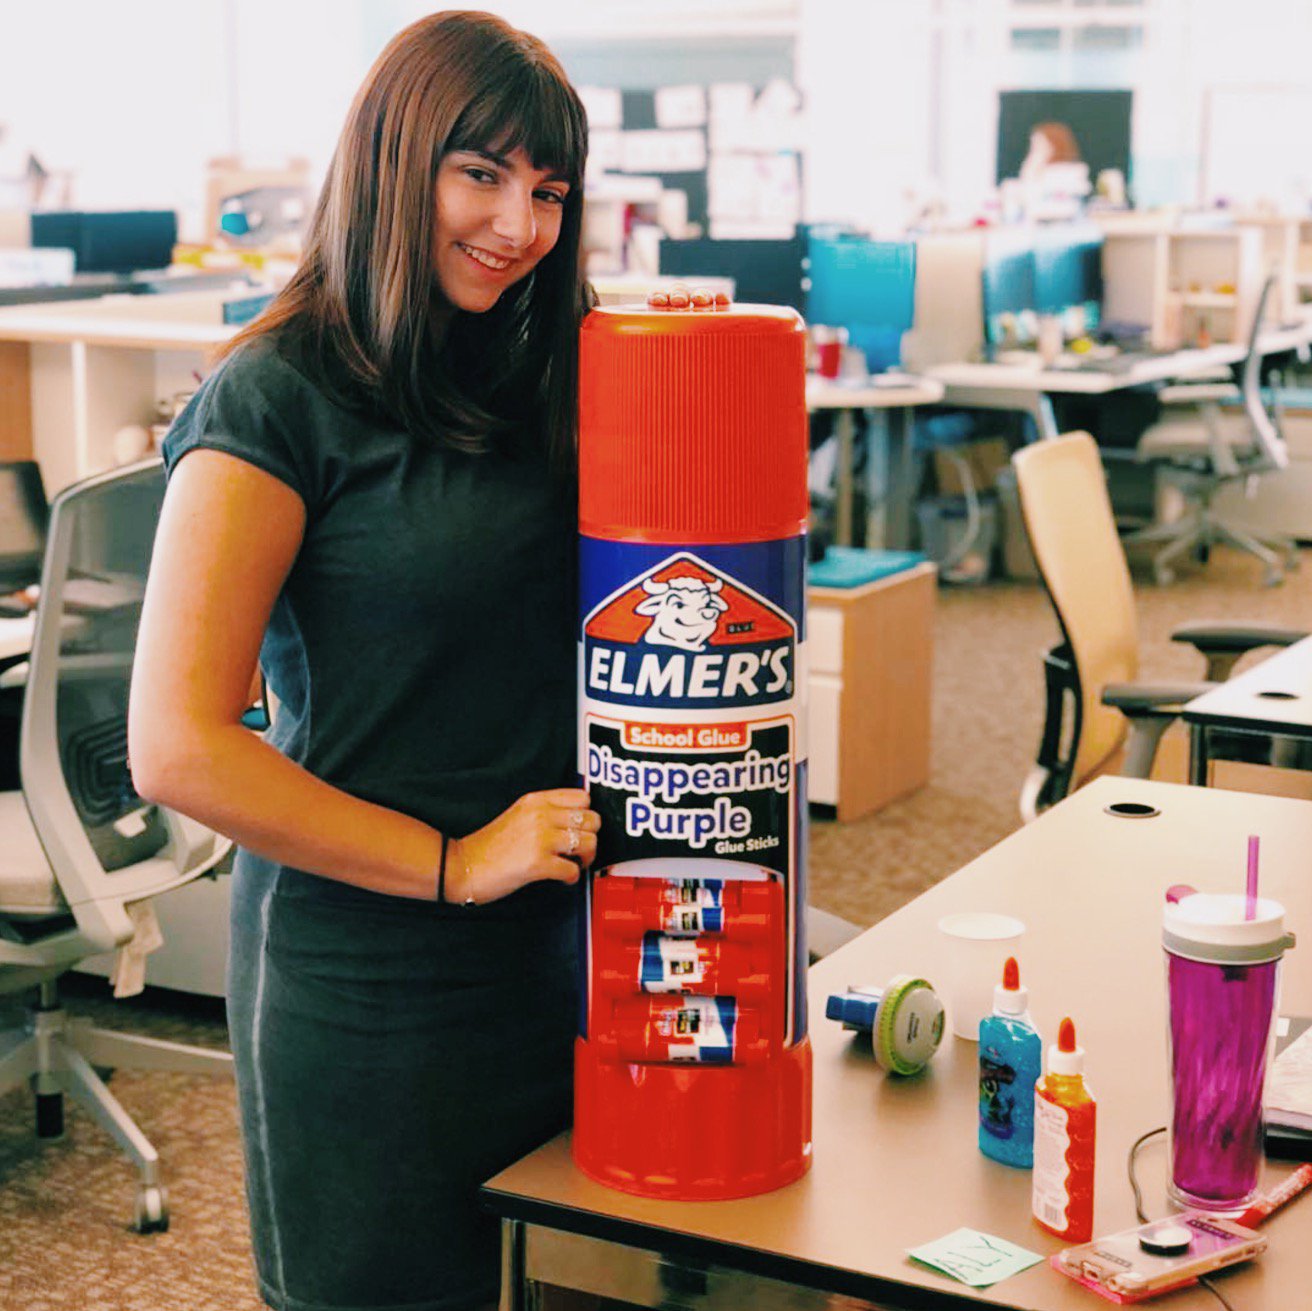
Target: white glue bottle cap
<point>1009,997</point>
<point>1065,1056</point>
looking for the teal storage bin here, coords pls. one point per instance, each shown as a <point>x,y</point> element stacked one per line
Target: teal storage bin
<point>851,566</point>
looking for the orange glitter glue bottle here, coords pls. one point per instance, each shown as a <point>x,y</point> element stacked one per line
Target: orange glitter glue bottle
<point>1065,1120</point>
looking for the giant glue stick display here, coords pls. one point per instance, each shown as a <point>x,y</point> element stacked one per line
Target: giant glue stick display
<point>693,1068</point>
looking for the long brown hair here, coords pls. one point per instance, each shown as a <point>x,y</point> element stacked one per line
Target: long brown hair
<point>364,309</point>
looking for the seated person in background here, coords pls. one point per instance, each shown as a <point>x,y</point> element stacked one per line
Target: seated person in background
<point>1053,177</point>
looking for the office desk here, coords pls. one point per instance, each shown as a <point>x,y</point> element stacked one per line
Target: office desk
<point>1029,389</point>
<point>896,1161</point>
<point>1269,701</point>
<point>94,366</point>
<point>891,464</point>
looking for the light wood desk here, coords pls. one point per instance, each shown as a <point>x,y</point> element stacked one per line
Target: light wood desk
<point>896,1161</point>
<point>1270,701</point>
<point>93,366</point>
<point>891,458</point>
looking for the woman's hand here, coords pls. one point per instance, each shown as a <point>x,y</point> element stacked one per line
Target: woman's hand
<point>544,835</point>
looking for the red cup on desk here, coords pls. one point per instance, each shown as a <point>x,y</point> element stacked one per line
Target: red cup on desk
<point>828,343</point>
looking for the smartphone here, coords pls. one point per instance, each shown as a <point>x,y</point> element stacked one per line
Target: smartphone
<point>1124,1270</point>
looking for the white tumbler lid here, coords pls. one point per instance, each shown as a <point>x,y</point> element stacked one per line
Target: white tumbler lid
<point>1211,926</point>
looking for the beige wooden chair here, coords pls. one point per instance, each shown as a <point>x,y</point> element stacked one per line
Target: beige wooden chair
<point>1098,718</point>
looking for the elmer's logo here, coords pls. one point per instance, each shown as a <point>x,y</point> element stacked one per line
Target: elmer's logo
<point>685,635</point>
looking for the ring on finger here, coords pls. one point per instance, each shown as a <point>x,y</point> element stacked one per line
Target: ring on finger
<point>573,842</point>
<point>576,820</point>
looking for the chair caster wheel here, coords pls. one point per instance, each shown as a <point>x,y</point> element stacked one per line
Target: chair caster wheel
<point>1164,577</point>
<point>50,1115</point>
<point>150,1213</point>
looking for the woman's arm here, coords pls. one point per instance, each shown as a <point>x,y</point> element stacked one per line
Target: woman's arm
<point>227,537</point>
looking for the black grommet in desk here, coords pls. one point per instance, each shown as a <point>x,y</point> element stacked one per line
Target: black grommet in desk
<point>1132,810</point>
<point>1279,696</point>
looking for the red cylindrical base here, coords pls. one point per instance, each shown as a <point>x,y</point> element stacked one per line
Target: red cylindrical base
<point>690,1132</point>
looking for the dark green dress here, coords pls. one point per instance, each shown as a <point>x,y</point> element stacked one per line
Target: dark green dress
<point>392,1054</point>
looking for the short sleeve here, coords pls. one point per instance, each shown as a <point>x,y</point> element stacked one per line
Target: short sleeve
<point>256,407</point>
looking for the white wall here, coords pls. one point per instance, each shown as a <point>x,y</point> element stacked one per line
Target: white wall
<point>864,70</point>
<point>118,93</point>
<point>135,96</point>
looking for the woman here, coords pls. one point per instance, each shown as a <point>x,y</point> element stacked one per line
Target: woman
<point>370,496</point>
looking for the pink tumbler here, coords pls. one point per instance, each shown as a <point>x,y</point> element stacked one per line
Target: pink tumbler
<point>1222,976</point>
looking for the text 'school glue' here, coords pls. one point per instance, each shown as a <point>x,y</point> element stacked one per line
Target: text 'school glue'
<point>1065,1120</point>
<point>1010,1063</point>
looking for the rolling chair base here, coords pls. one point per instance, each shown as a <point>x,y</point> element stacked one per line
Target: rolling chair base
<point>59,1055</point>
<point>1198,530</point>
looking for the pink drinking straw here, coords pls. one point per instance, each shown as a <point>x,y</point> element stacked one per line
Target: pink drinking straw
<point>1250,904</point>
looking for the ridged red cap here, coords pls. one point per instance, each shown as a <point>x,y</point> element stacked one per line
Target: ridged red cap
<point>692,424</point>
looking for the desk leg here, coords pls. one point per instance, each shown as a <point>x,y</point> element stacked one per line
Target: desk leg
<point>1198,755</point>
<point>845,430</point>
<point>515,1295</point>
<point>1044,418</point>
<point>902,488</point>
<point>880,477</point>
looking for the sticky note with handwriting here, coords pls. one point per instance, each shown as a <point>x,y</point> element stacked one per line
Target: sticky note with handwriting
<point>974,1258</point>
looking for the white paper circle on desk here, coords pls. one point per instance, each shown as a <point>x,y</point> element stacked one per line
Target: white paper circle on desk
<point>131,442</point>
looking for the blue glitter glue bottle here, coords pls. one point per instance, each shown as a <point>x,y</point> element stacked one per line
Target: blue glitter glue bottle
<point>1010,1064</point>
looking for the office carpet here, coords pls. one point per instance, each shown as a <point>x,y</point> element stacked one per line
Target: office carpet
<point>65,1244</point>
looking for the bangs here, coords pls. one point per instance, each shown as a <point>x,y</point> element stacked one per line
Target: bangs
<point>532,110</point>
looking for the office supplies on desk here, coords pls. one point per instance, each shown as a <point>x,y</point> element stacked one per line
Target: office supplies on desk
<point>1010,1064</point>
<point>979,943</point>
<point>904,1020</point>
<point>974,1258</point>
<point>1124,1268</point>
<point>1065,1126</point>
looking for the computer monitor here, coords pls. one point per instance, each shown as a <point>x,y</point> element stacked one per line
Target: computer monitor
<point>1007,290</point>
<point>764,272</point>
<point>867,287</point>
<point>23,517</point>
<point>1068,275</point>
<point>111,241</point>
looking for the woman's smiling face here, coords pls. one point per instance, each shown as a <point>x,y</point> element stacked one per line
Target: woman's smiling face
<point>497,216</point>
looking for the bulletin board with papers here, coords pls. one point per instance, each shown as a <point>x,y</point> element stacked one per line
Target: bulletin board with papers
<point>733,148</point>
